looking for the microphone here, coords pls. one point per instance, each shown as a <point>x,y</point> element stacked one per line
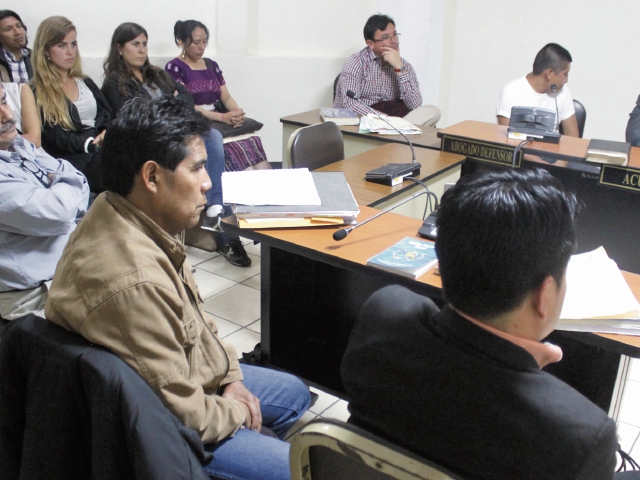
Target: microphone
<point>342,233</point>
<point>352,94</point>
<point>554,89</point>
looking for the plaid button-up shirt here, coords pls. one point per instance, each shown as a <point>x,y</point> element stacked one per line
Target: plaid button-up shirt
<point>373,82</point>
<point>18,68</point>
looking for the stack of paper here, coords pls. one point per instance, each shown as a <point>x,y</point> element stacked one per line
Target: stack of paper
<point>598,298</point>
<point>339,116</point>
<point>289,198</point>
<point>291,186</point>
<point>373,124</point>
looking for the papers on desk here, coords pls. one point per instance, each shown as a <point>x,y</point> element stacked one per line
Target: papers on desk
<point>291,186</point>
<point>372,124</point>
<point>335,204</point>
<point>598,298</point>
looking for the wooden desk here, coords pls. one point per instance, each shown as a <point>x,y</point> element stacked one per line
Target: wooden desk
<point>610,217</point>
<point>312,289</point>
<point>437,168</point>
<point>355,142</point>
<point>569,148</point>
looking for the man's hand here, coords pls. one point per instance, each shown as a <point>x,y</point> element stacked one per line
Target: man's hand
<point>392,57</point>
<point>237,391</point>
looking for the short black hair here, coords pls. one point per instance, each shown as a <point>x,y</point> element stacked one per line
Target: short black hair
<point>10,13</point>
<point>500,234</point>
<point>375,23</point>
<point>146,129</point>
<point>551,56</point>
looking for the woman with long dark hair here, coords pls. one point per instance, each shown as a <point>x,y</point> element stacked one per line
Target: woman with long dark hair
<point>129,74</point>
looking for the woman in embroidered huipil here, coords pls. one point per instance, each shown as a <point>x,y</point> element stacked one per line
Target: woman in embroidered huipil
<point>203,78</point>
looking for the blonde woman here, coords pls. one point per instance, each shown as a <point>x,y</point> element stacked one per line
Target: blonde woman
<point>73,111</point>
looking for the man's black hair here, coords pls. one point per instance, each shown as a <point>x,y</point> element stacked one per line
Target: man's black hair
<point>376,22</point>
<point>10,13</point>
<point>500,234</point>
<point>145,130</point>
<point>551,56</point>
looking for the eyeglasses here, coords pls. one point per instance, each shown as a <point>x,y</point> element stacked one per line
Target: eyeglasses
<point>387,37</point>
<point>34,168</point>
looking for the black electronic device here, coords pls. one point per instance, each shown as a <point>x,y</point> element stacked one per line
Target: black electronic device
<point>392,173</point>
<point>533,123</point>
<point>429,229</point>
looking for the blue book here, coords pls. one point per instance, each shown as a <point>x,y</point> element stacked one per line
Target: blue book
<point>410,257</point>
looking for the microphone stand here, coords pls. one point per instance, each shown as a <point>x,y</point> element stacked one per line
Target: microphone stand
<point>392,173</point>
<point>352,94</point>
<point>342,233</point>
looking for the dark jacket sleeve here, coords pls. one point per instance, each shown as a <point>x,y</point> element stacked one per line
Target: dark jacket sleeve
<point>105,113</point>
<point>183,94</point>
<point>633,127</point>
<point>114,97</point>
<point>600,461</point>
<point>60,142</point>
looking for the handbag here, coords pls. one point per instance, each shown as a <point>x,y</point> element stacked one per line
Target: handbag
<point>248,126</point>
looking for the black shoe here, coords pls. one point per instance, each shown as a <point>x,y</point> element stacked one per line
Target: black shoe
<point>235,253</point>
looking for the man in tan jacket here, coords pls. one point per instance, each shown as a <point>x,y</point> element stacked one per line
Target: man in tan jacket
<point>124,282</point>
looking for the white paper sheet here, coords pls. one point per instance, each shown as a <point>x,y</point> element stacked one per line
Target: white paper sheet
<point>270,187</point>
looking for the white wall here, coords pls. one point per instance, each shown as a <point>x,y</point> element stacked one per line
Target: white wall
<point>491,42</point>
<point>279,57</point>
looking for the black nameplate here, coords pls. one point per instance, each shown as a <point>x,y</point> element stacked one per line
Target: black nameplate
<point>482,151</point>
<point>626,178</point>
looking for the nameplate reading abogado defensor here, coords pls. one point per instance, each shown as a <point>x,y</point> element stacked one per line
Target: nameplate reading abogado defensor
<point>483,151</point>
<point>626,178</point>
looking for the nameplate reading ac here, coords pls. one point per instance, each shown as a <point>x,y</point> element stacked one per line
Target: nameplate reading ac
<point>483,151</point>
<point>626,178</point>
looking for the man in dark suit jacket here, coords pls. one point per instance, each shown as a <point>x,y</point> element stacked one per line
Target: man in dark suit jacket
<point>464,386</point>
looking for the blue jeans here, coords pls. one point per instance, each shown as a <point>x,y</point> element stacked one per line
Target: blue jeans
<point>250,455</point>
<point>215,165</point>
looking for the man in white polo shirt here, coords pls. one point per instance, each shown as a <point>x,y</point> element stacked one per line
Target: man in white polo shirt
<point>544,87</point>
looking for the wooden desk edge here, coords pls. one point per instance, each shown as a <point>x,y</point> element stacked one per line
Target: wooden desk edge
<point>625,344</point>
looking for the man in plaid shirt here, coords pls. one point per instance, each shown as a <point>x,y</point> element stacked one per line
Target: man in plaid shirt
<point>382,79</point>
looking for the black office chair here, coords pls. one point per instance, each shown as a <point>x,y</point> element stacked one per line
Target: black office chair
<point>330,449</point>
<point>335,86</point>
<point>73,410</point>
<point>315,146</point>
<point>581,117</point>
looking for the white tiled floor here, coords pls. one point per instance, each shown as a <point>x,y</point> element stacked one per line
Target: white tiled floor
<point>232,295</point>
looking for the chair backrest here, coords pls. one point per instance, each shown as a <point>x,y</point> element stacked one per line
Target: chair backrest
<point>330,449</point>
<point>315,146</point>
<point>73,410</point>
<point>581,117</point>
<point>335,86</point>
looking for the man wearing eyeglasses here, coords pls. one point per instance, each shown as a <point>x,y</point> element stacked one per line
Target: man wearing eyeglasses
<point>382,79</point>
<point>41,201</point>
